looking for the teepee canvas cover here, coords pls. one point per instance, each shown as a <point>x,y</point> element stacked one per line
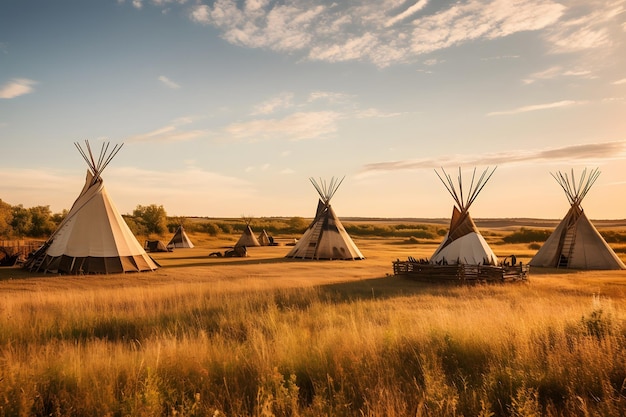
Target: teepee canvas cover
<point>180,239</point>
<point>264,239</point>
<point>576,243</point>
<point>93,238</point>
<point>325,238</point>
<point>463,244</point>
<point>247,237</point>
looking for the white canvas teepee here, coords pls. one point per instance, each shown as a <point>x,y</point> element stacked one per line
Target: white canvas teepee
<point>180,239</point>
<point>576,243</point>
<point>93,238</point>
<point>247,238</point>
<point>325,238</point>
<point>463,244</point>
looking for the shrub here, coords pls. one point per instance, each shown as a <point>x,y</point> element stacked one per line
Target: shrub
<point>527,236</point>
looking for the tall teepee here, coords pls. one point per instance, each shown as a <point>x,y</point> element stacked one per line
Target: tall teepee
<point>93,238</point>
<point>247,238</point>
<point>180,239</point>
<point>463,244</point>
<point>576,243</point>
<point>325,238</point>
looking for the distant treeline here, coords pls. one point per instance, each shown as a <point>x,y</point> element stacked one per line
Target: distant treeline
<point>525,235</point>
<point>38,222</point>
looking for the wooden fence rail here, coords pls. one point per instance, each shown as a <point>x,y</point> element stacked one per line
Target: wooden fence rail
<point>460,273</point>
<point>12,250</point>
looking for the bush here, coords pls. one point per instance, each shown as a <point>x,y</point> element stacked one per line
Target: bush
<point>527,236</point>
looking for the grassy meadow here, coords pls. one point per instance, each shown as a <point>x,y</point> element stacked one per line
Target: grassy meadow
<point>268,336</point>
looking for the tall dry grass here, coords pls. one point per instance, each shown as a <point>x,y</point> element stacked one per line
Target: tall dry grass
<point>238,340</point>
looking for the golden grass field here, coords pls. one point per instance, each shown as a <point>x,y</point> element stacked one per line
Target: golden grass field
<point>268,336</point>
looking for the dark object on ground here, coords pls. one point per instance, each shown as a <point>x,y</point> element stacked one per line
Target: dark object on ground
<point>236,252</point>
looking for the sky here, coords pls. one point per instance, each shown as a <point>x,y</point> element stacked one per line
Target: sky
<point>227,108</point>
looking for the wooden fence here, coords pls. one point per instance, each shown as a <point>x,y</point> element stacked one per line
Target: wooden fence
<point>12,250</point>
<point>462,274</point>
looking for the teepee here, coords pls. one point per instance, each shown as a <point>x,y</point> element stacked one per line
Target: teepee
<point>180,239</point>
<point>576,243</point>
<point>463,244</point>
<point>247,237</point>
<point>264,239</point>
<point>325,238</point>
<point>93,238</point>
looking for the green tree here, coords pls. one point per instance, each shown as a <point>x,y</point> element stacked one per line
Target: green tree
<point>152,217</point>
<point>57,218</point>
<point>135,226</point>
<point>21,223</point>
<point>6,217</point>
<point>41,221</point>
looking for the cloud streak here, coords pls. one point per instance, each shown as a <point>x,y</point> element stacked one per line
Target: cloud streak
<point>173,132</point>
<point>169,83</point>
<point>281,101</point>
<point>297,126</point>
<point>594,151</point>
<point>17,87</point>
<point>537,107</point>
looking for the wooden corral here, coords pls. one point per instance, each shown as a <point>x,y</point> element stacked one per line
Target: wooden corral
<point>460,273</point>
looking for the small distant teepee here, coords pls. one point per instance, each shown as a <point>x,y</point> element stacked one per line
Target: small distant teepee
<point>247,238</point>
<point>576,243</point>
<point>264,238</point>
<point>93,238</point>
<point>180,239</point>
<point>325,238</point>
<point>463,244</point>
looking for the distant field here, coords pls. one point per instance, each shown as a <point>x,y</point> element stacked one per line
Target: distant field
<point>265,335</point>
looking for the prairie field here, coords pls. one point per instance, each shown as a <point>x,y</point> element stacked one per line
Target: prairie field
<point>269,336</point>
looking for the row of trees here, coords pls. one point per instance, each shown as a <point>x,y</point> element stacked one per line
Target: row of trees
<point>18,222</point>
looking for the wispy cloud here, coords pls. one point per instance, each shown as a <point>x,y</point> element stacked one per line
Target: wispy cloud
<point>619,82</point>
<point>410,11</point>
<point>586,25</point>
<point>591,152</point>
<point>558,72</point>
<point>537,107</point>
<point>374,31</point>
<point>169,83</point>
<point>328,96</point>
<point>297,126</point>
<point>173,132</point>
<point>178,189</point>
<point>394,31</point>
<point>17,87</point>
<point>278,102</point>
